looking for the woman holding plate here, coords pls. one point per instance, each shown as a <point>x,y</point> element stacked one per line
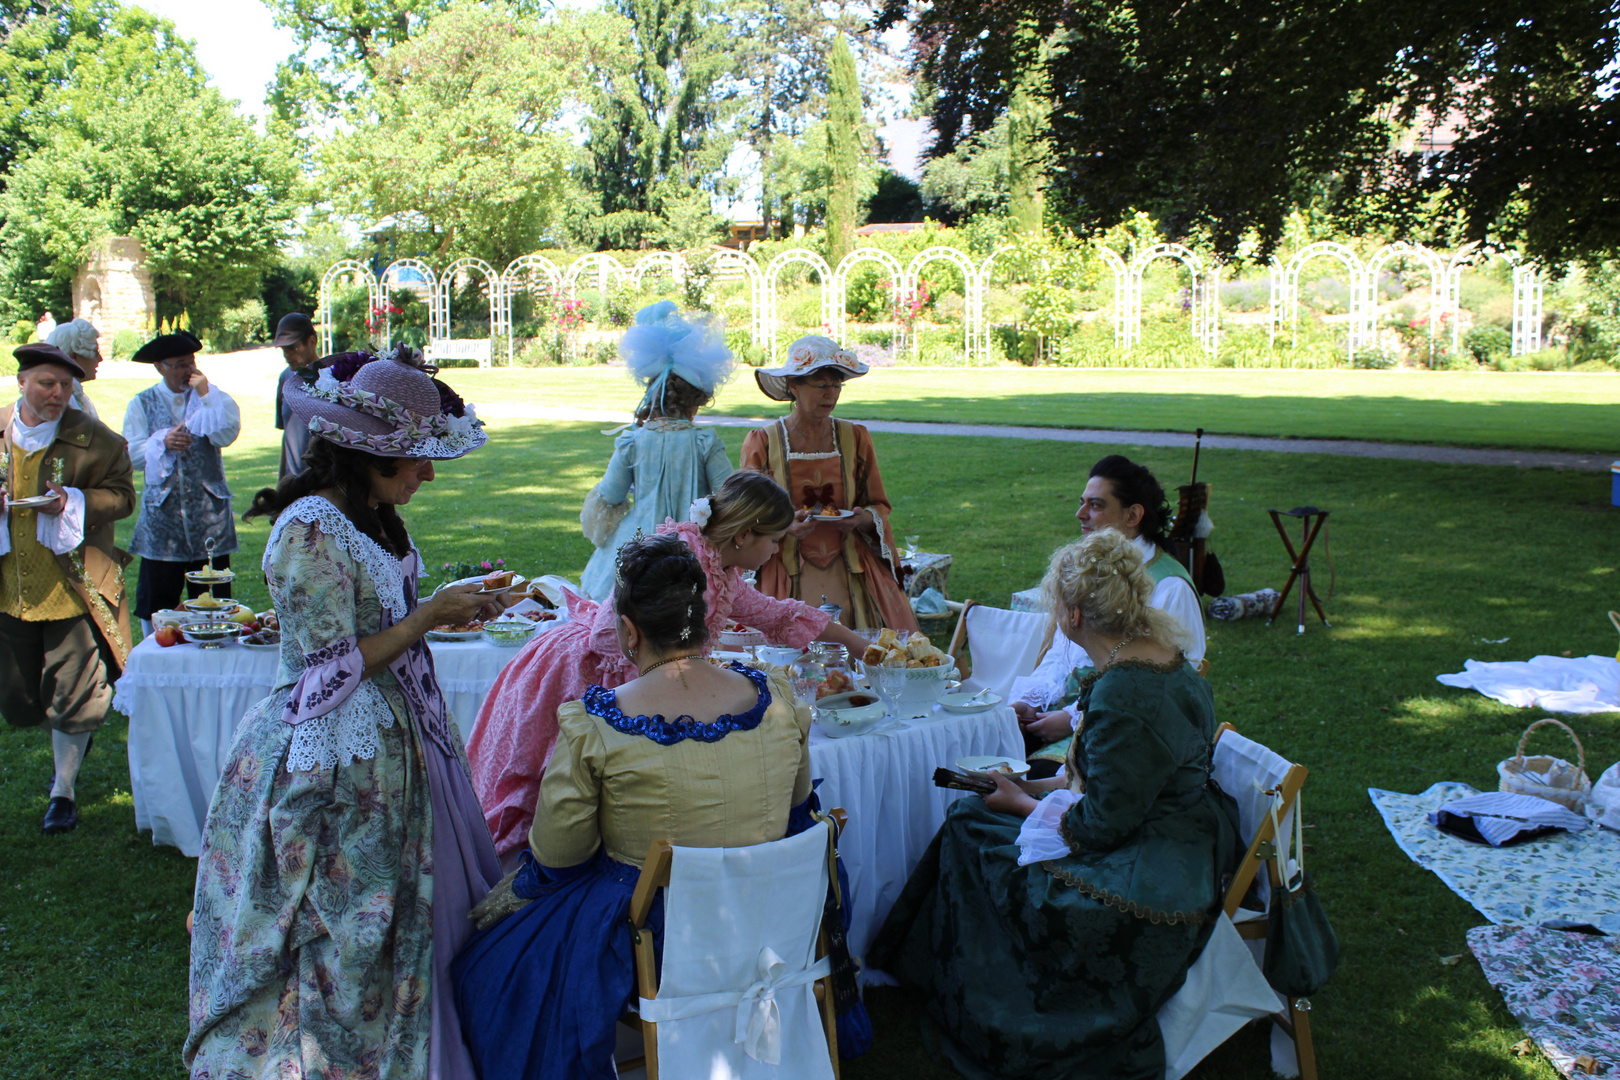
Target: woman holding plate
<point>344,849</point>
<point>731,532</point>
<point>841,545</point>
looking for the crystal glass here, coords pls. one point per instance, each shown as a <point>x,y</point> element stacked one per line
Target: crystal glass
<point>891,678</point>
<point>808,675</point>
<point>911,546</point>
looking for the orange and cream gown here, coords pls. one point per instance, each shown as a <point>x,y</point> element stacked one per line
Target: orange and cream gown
<point>859,570</point>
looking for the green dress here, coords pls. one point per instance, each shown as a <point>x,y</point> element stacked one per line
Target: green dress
<point>1058,969</point>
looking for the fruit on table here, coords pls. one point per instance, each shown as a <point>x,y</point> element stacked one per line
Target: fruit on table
<point>167,635</point>
<point>243,616</point>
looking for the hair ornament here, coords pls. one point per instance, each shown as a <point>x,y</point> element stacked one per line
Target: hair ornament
<point>701,510</point>
<point>663,343</point>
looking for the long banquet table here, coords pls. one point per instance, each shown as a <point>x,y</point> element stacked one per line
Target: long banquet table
<point>184,703</point>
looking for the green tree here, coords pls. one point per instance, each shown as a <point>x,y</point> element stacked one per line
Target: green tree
<point>658,118</point>
<point>1028,115</point>
<point>1226,116</point>
<point>165,160</point>
<point>456,136</point>
<point>844,118</point>
<point>974,177</point>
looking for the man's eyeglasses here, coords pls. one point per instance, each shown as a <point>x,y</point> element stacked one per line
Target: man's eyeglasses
<point>178,365</point>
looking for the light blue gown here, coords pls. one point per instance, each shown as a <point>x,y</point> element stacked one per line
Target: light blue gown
<point>665,464</point>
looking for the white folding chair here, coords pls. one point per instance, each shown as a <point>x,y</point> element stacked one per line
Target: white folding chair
<point>1225,988</point>
<point>1003,645</point>
<point>744,992</point>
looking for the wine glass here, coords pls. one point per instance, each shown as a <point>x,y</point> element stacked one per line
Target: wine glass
<point>911,546</point>
<point>891,677</point>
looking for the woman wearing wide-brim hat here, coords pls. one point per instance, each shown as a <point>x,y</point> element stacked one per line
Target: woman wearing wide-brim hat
<point>827,463</point>
<point>344,845</point>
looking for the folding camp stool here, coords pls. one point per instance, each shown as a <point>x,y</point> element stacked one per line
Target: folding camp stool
<point>1301,568</point>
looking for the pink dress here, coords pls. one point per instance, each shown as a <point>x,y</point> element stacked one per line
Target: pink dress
<point>516,731</point>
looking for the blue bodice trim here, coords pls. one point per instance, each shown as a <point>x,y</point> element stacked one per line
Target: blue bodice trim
<point>604,704</point>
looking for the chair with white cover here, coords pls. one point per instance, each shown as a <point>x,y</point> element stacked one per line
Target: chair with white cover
<point>1225,988</point>
<point>745,989</point>
<point>1004,645</point>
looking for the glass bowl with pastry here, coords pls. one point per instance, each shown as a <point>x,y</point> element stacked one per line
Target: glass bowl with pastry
<point>928,670</point>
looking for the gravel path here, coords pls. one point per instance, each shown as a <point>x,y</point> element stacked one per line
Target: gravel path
<point>1447,455</point>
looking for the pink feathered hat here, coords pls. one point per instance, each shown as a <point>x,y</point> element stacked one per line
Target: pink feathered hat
<point>390,408</point>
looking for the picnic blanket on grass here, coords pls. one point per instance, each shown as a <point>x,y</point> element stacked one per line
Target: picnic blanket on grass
<point>1569,876</point>
<point>1561,986</point>
<point>1561,684</point>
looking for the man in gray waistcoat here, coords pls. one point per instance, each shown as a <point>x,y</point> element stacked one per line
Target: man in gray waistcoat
<point>176,430</point>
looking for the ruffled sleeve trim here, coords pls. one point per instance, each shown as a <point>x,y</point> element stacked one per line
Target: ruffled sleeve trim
<point>347,733</point>
<point>384,569</point>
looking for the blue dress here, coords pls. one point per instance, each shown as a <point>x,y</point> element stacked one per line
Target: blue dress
<point>665,464</point>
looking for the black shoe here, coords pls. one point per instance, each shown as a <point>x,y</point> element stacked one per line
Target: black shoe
<point>61,815</point>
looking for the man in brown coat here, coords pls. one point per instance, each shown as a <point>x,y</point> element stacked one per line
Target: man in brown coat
<point>64,620</point>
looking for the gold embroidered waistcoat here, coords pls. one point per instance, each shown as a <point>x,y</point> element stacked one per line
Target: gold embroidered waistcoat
<point>32,585</point>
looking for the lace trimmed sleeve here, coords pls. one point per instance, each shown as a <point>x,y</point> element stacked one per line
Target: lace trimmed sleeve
<point>320,588</point>
<point>784,622</point>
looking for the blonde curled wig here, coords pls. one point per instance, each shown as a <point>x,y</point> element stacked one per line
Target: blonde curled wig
<point>749,501</point>
<point>1103,577</point>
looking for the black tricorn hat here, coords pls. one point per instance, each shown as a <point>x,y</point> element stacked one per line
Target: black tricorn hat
<point>29,356</point>
<point>167,346</point>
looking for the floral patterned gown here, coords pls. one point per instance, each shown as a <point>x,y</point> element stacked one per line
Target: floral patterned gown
<point>344,845</point>
<point>517,728</point>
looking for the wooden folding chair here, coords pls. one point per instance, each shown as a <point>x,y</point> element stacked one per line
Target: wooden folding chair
<point>654,876</point>
<point>1264,853</point>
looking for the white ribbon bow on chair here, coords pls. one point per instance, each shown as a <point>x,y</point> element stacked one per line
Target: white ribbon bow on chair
<point>759,1019</point>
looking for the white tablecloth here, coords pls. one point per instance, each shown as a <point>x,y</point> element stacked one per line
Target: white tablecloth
<point>885,782</point>
<point>184,703</point>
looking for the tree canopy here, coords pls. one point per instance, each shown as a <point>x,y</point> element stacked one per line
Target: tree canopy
<point>1221,118</point>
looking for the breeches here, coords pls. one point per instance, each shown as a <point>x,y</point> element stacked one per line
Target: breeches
<point>54,672</point>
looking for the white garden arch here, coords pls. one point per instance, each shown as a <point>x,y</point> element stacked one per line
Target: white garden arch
<point>1385,255</point>
<point>345,271</point>
<point>610,272</point>
<point>669,262</point>
<point>972,292</point>
<point>394,276</point>
<point>1528,294</point>
<point>1203,300</point>
<point>773,275</point>
<point>840,287</point>
<point>1122,293</point>
<point>447,347</point>
<point>732,265</point>
<point>1289,311</point>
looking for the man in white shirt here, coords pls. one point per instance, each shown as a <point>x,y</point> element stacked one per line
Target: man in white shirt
<point>1122,495</point>
<point>176,430</point>
<point>81,341</point>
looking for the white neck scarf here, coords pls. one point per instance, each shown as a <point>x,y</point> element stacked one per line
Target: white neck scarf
<point>31,440</point>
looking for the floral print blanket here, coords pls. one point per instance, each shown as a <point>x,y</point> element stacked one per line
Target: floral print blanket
<point>1562,987</point>
<point>1565,876</point>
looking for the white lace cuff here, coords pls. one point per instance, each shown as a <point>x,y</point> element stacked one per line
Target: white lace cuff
<point>64,532</point>
<point>600,519</point>
<point>346,733</point>
<point>1039,838</point>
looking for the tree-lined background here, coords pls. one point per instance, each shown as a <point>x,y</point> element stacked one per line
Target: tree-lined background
<point>448,128</point>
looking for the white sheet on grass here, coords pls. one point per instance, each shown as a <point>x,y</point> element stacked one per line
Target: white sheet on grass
<point>1562,684</point>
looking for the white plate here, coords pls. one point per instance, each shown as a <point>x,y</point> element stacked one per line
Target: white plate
<point>842,514</point>
<point>454,635</point>
<point>256,645</point>
<point>33,501</point>
<point>979,763</point>
<point>960,705</point>
<point>518,582</point>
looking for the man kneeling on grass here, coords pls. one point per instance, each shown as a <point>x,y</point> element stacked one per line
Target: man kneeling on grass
<point>1122,495</point>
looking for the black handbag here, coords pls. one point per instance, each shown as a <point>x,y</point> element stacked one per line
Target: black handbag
<point>1302,951</point>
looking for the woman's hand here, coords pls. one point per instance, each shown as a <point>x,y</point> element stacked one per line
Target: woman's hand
<point>1009,798</point>
<point>802,525</point>
<point>862,520</point>
<point>1046,727</point>
<point>461,604</point>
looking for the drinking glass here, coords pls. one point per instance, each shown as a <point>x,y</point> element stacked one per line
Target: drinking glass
<point>911,546</point>
<point>892,683</point>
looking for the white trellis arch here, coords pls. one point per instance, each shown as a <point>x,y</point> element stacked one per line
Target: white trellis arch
<point>438,319</point>
<point>1123,302</point>
<point>840,287</point>
<point>521,275</point>
<point>773,274</point>
<point>1385,255</point>
<point>730,265</point>
<point>1289,311</point>
<point>447,347</point>
<point>346,269</point>
<point>986,270</point>
<point>1203,301</point>
<point>608,270</point>
<point>1528,291</point>
<point>972,292</point>
<point>655,261</point>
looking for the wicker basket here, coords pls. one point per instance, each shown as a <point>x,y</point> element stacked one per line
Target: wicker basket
<point>1567,785</point>
<point>939,623</point>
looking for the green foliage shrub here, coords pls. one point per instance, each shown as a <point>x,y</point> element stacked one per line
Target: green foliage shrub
<point>239,327</point>
<point>1251,295</point>
<point>1487,343</point>
<point>126,342</point>
<point>741,344</point>
<point>8,363</point>
<point>22,331</point>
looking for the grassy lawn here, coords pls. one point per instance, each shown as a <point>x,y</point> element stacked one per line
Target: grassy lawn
<point>1529,410</point>
<point>92,949</point>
